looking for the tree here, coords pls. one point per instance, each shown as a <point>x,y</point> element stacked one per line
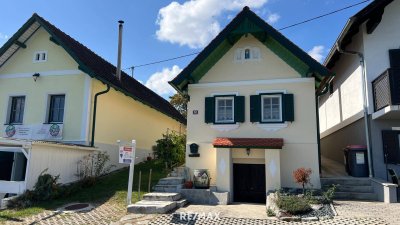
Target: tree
<point>302,176</point>
<point>179,101</point>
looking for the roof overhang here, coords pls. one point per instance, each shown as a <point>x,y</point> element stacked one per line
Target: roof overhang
<point>261,143</point>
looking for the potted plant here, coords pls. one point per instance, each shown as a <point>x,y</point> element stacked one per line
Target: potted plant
<point>188,184</point>
<point>149,158</point>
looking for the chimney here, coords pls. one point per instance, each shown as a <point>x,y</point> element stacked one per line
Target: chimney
<point>121,22</point>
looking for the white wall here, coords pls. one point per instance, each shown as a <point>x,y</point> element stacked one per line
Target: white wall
<point>376,45</point>
<point>346,100</point>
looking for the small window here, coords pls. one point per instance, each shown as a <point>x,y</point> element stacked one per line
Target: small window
<point>40,56</point>
<point>247,53</point>
<point>224,108</point>
<point>17,110</point>
<point>271,106</point>
<point>56,109</point>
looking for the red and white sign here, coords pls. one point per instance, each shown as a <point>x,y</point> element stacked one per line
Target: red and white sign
<point>126,154</point>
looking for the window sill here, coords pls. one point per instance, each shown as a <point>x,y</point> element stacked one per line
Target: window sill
<point>225,127</point>
<point>54,123</point>
<point>8,124</point>
<point>272,126</point>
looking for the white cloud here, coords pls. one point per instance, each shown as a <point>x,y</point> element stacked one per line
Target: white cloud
<point>3,38</point>
<point>273,18</point>
<point>158,82</point>
<point>194,23</point>
<point>317,52</point>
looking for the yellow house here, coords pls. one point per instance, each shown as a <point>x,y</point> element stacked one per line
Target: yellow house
<point>59,101</point>
<point>252,110</point>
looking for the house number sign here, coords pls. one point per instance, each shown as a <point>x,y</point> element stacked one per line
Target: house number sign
<point>195,112</point>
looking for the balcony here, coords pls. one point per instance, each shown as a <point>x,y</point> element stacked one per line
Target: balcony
<point>386,92</point>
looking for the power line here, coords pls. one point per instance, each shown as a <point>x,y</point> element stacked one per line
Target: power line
<point>283,28</point>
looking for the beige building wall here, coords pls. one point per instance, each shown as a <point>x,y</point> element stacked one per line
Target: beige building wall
<point>58,75</point>
<point>250,78</point>
<point>119,117</point>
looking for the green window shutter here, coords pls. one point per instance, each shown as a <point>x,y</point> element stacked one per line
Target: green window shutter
<point>288,107</point>
<point>239,109</point>
<point>209,110</point>
<point>255,108</point>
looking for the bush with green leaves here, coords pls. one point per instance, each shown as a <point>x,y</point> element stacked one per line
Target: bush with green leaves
<point>171,148</point>
<point>46,188</point>
<point>292,204</point>
<point>328,195</point>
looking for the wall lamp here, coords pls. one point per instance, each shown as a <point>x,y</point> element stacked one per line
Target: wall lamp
<point>36,76</point>
<point>248,151</point>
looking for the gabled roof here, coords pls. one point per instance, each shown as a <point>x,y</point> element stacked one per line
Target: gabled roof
<point>247,22</point>
<point>372,14</point>
<point>90,63</point>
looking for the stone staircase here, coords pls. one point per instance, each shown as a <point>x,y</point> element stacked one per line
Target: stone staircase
<point>169,184</point>
<point>157,203</point>
<point>351,188</point>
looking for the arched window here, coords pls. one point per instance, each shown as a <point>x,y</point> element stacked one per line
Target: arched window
<point>247,53</point>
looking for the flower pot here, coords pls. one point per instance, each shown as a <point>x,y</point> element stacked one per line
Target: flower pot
<point>189,184</point>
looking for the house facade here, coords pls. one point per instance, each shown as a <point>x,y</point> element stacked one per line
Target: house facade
<point>53,91</point>
<point>374,33</point>
<point>252,109</point>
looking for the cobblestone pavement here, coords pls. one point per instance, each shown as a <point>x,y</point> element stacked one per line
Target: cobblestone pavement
<point>349,213</point>
<point>101,214</point>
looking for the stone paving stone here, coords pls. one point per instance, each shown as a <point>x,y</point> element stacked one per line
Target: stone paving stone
<point>101,214</point>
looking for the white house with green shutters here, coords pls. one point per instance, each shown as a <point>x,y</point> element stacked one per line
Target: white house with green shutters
<point>252,110</point>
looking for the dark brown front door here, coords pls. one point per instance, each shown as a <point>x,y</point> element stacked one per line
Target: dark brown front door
<point>249,183</point>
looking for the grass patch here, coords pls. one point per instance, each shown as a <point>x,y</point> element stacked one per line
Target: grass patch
<point>111,188</point>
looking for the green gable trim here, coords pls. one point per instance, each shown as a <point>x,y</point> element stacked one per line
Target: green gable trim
<point>81,66</point>
<point>247,22</point>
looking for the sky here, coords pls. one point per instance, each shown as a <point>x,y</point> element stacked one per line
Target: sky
<point>158,30</point>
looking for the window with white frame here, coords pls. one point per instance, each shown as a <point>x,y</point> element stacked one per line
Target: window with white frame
<point>247,54</point>
<point>271,108</point>
<point>224,109</point>
<point>56,109</point>
<point>16,111</point>
<point>40,56</point>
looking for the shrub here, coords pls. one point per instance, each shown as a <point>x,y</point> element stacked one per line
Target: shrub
<point>270,212</point>
<point>46,188</point>
<point>302,176</point>
<point>292,204</point>
<point>93,166</point>
<point>309,196</point>
<point>327,196</point>
<point>171,148</point>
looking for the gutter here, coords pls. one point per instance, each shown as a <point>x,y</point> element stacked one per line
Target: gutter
<point>364,96</point>
<point>94,113</point>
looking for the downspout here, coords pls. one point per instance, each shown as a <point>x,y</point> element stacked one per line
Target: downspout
<point>94,113</point>
<point>364,96</point>
<point>323,92</point>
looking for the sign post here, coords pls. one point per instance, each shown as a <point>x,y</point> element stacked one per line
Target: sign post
<point>127,156</point>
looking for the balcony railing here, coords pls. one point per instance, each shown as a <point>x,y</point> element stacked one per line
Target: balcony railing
<point>386,89</point>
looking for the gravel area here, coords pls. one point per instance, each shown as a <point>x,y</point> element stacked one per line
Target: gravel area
<point>326,210</point>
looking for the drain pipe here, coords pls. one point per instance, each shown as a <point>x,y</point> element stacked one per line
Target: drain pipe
<point>323,92</point>
<point>365,105</point>
<point>94,112</point>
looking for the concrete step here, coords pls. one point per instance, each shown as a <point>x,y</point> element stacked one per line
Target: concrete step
<point>349,188</point>
<point>355,196</point>
<point>181,203</point>
<point>171,181</point>
<point>168,188</point>
<point>152,207</point>
<point>346,181</point>
<point>162,196</point>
